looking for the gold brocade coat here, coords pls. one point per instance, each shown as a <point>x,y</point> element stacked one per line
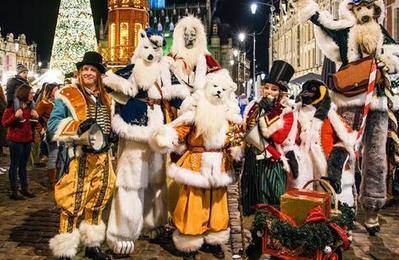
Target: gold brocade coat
<point>205,172</point>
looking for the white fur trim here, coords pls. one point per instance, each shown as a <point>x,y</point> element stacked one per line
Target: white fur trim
<point>307,8</point>
<point>377,103</point>
<point>209,176</point>
<point>65,244</point>
<point>135,132</point>
<point>347,181</point>
<point>154,93</point>
<point>164,139</point>
<point>187,243</point>
<point>268,130</point>
<point>217,238</point>
<point>130,132</point>
<point>188,177</point>
<point>59,136</point>
<point>92,235</point>
<point>347,138</point>
<point>237,153</point>
<point>339,126</point>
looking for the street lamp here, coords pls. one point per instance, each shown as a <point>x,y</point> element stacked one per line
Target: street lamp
<point>253,35</point>
<point>263,76</point>
<point>241,37</point>
<point>254,6</point>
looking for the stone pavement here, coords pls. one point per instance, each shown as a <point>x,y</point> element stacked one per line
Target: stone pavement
<point>26,226</point>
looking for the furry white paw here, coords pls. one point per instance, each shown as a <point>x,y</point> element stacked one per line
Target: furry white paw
<point>390,63</point>
<point>164,142</point>
<point>236,153</point>
<point>154,93</point>
<point>123,247</point>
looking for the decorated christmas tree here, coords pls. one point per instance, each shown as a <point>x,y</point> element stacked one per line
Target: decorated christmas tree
<point>74,34</point>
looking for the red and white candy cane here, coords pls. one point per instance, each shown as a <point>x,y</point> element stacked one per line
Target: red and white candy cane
<point>367,104</point>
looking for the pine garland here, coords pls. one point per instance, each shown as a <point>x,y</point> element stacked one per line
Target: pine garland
<point>309,237</point>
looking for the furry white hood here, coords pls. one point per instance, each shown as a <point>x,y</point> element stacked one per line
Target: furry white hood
<point>178,35</point>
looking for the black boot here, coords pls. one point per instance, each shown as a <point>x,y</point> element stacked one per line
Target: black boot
<point>96,254</point>
<point>189,255</point>
<point>15,196</point>
<point>217,251</point>
<point>28,194</point>
<point>373,230</point>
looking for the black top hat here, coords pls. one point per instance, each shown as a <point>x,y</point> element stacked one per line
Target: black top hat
<point>92,58</point>
<point>280,74</point>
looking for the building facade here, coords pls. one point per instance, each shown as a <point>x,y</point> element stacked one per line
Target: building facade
<point>125,19</point>
<point>296,43</point>
<point>14,51</point>
<point>392,18</point>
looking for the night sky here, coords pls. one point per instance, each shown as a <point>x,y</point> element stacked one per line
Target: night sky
<point>37,19</point>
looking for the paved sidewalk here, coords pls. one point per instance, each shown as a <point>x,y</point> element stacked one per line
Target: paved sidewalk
<point>26,226</point>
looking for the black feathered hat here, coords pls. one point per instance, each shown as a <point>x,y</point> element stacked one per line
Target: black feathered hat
<point>280,74</point>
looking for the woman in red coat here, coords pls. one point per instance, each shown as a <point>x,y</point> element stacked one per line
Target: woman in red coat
<point>20,137</point>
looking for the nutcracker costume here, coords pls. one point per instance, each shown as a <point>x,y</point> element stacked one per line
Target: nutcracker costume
<point>266,171</point>
<point>88,182</point>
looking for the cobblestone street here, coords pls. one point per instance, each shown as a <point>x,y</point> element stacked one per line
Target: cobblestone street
<point>26,226</point>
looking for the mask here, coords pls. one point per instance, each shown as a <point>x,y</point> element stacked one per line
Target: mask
<point>190,36</point>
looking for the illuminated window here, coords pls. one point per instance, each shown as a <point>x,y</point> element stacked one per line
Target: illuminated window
<point>137,3</point>
<point>137,27</point>
<point>112,40</point>
<point>123,37</point>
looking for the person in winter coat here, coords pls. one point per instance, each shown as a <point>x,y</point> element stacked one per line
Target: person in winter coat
<point>20,137</point>
<point>12,84</point>
<point>44,108</point>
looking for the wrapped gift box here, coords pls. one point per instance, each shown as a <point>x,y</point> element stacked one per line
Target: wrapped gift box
<point>297,203</point>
